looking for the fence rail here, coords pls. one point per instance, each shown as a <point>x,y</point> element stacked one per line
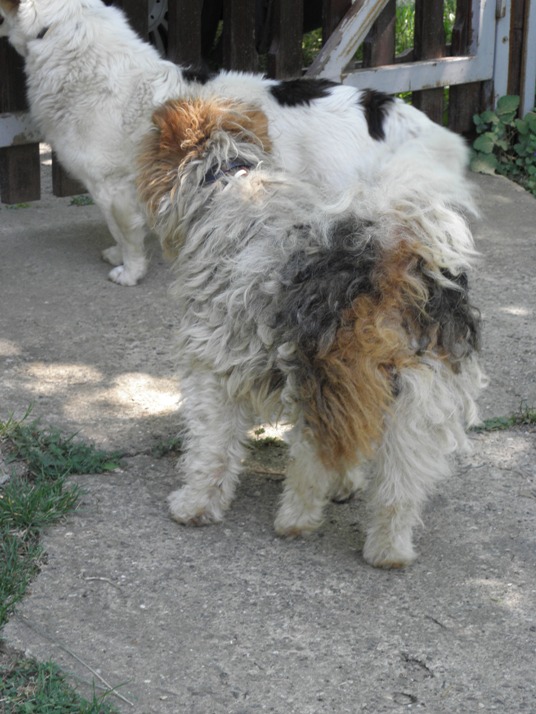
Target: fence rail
<point>492,51</point>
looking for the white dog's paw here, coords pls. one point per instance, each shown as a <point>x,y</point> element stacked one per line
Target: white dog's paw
<point>113,255</point>
<point>189,508</point>
<point>382,554</point>
<point>123,276</point>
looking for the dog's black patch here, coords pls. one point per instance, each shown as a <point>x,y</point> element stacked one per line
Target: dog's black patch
<point>199,75</point>
<point>458,320</point>
<point>375,105</point>
<point>297,92</point>
<point>318,286</point>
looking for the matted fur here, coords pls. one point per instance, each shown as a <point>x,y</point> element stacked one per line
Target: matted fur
<point>351,322</point>
<point>93,85</point>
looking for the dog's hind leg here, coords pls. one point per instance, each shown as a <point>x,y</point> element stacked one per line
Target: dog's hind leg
<point>308,487</point>
<point>213,450</point>
<point>425,427</point>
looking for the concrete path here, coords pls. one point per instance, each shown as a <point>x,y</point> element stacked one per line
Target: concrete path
<point>231,619</point>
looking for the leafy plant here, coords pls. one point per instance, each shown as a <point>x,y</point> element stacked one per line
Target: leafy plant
<point>506,145</point>
<point>83,200</point>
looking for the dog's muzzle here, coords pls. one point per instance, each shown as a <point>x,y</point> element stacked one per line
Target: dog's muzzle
<point>238,167</point>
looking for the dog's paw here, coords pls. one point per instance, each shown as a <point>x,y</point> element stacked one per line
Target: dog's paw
<point>289,526</point>
<point>123,276</point>
<point>388,556</point>
<point>113,255</point>
<point>187,508</point>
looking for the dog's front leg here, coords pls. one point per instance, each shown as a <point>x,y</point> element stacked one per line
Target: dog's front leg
<point>127,225</point>
<point>213,450</point>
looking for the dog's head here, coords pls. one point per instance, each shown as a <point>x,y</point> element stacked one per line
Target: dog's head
<point>8,16</point>
<point>20,22</point>
<point>25,20</point>
<point>190,150</point>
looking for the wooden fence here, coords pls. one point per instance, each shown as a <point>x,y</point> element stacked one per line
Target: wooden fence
<point>491,51</point>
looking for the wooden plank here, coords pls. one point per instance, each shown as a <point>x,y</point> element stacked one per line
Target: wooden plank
<point>285,54</point>
<point>502,49</point>
<point>528,82</point>
<point>12,82</point>
<point>333,12</point>
<point>184,32</point>
<point>515,59</point>
<point>138,14</point>
<point>20,174</point>
<point>429,43</point>
<point>239,35</point>
<point>379,45</point>
<point>341,46</point>
<point>63,184</point>
<point>427,74</point>
<point>465,100</point>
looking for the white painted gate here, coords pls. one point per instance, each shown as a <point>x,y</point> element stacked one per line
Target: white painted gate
<point>488,58</point>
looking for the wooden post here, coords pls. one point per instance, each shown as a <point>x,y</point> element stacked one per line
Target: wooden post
<point>429,43</point>
<point>20,167</point>
<point>285,54</point>
<point>138,14</point>
<point>465,100</point>
<point>184,32</point>
<point>379,45</point>
<point>239,35</point>
<point>332,13</point>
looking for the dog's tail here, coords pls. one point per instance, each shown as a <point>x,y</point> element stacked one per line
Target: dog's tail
<point>398,317</point>
<point>190,143</point>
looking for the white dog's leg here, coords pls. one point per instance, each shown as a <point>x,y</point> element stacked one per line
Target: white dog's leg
<point>113,255</point>
<point>214,449</point>
<point>348,484</point>
<point>127,225</point>
<point>425,427</point>
<point>307,489</point>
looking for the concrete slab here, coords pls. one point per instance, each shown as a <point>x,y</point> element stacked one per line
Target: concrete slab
<point>231,619</point>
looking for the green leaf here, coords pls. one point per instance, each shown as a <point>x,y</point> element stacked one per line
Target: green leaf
<point>522,126</point>
<point>484,164</point>
<point>530,120</point>
<point>507,105</point>
<point>485,143</point>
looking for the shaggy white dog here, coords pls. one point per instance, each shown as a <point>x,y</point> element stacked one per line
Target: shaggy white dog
<point>351,321</point>
<point>93,85</point>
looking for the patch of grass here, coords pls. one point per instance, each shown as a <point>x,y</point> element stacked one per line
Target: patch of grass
<point>526,416</point>
<point>47,452</point>
<point>16,206</point>
<point>82,200</point>
<point>29,687</point>
<point>34,497</point>
<point>165,447</point>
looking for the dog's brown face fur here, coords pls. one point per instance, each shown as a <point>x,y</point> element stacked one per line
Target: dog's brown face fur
<point>183,129</point>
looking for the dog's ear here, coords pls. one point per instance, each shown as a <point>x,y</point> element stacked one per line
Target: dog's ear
<point>9,6</point>
<point>186,126</point>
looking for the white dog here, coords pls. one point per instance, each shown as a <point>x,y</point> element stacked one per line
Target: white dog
<point>93,85</point>
<point>352,321</point>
